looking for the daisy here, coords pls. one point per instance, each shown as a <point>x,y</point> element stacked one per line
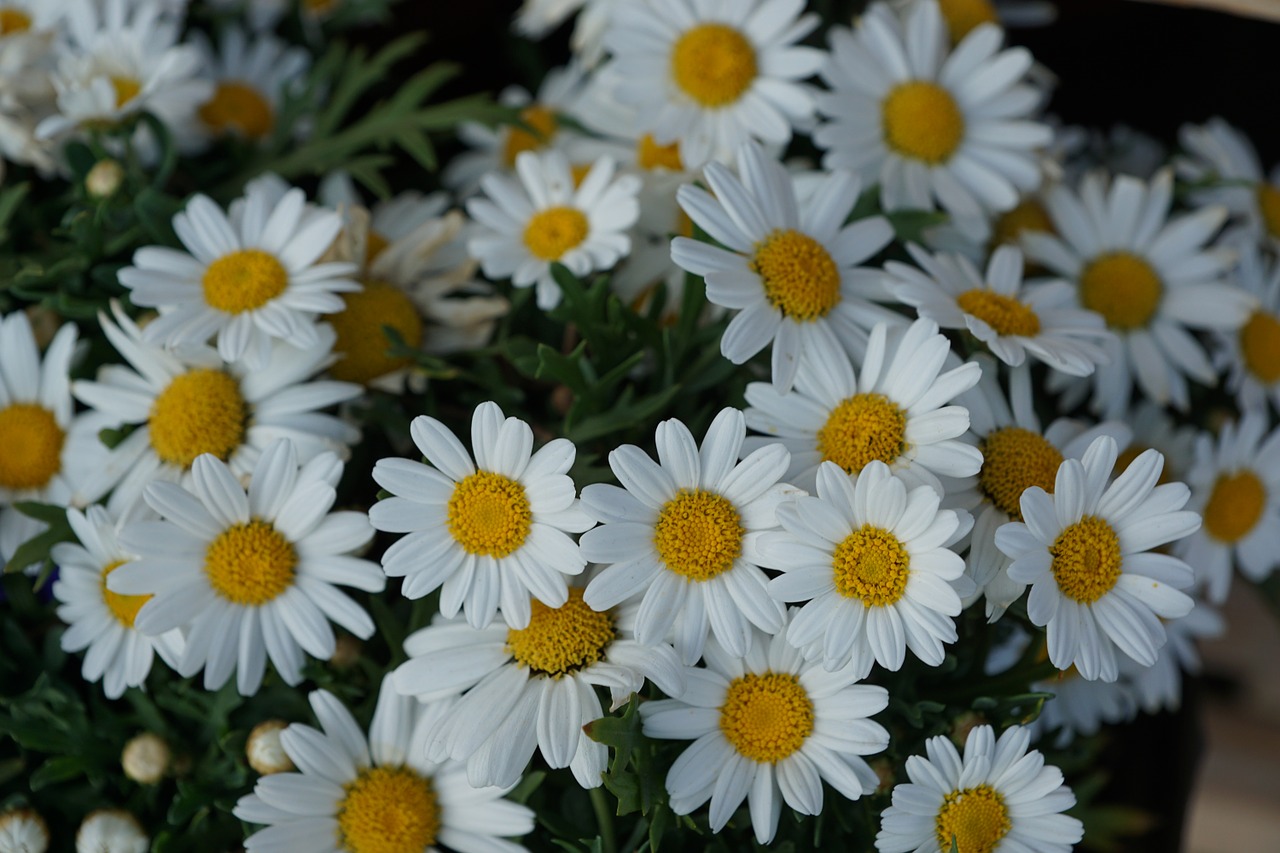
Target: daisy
<point>101,622</point>
<point>1235,485</point>
<point>1159,687</point>
<point>999,796</point>
<point>769,728</point>
<point>712,75</point>
<point>537,18</point>
<point>934,127</point>
<point>250,574</point>
<point>533,687</point>
<point>111,831</point>
<point>893,412</point>
<point>248,278</point>
<point>250,73</point>
<point>1085,550</point>
<point>487,532</point>
<point>546,217</point>
<point>23,831</point>
<point>1151,278</point>
<point>356,793</point>
<point>681,532</point>
<point>1223,167</point>
<point>1251,354</point>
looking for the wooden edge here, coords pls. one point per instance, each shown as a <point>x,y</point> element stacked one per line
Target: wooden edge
<point>1268,10</point>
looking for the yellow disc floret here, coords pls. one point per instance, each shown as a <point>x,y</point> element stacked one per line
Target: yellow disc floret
<point>126,89</point>
<point>1260,346</point>
<point>922,121</point>
<point>201,411</point>
<point>250,563</point>
<point>561,640</point>
<point>124,607</point>
<point>554,231</point>
<point>14,21</point>
<point>650,155</point>
<point>239,107</point>
<point>1013,460</point>
<point>244,280</point>
<point>766,717</point>
<point>542,126</point>
<point>1234,507</point>
<point>388,810</point>
<point>800,278</point>
<point>1005,314</point>
<point>963,15</point>
<point>713,64</point>
<point>1029,216</point>
<point>361,341</point>
<point>1123,288</point>
<point>872,566</point>
<point>863,428</point>
<point>698,534</point>
<point>489,514</point>
<point>30,447</point>
<point>975,819</point>
<point>1269,206</point>
<point>1086,559</point>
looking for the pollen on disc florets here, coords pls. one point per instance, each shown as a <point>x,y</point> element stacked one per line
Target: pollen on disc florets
<point>1013,460</point>
<point>250,564</point>
<point>975,819</point>
<point>1235,505</point>
<point>1086,559</point>
<point>698,534</point>
<point>766,716</point>
<point>489,514</point>
<point>871,565</point>
<point>244,280</point>
<point>201,411</point>
<point>32,442</point>
<point>240,107</point>
<point>713,64</point>
<point>554,231</point>
<point>863,428</point>
<point>922,121</point>
<point>1123,288</point>
<point>562,640</point>
<point>360,339</point>
<point>800,278</point>
<point>389,810</point>
<point>1260,346</point>
<point>123,607</point>
<point>1005,314</point>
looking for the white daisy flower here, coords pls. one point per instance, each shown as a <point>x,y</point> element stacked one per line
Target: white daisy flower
<point>23,831</point>
<point>893,412</point>
<point>1085,550</point>
<point>537,18</point>
<point>250,574</point>
<point>1223,167</point>
<point>111,831</point>
<point>533,687</point>
<point>546,217</point>
<point>999,796</point>
<point>99,620</point>
<point>1151,278</point>
<point>1235,485</point>
<point>1159,686</point>
<point>248,278</point>
<point>681,535</point>
<point>1152,427</point>
<point>933,126</point>
<point>790,269</point>
<point>251,74</point>
<point>188,402</point>
<point>356,793</point>
<point>489,532</point>
<point>1251,354</point>
<point>769,728</point>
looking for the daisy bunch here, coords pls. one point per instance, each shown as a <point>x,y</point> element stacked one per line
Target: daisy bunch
<point>1222,167</point>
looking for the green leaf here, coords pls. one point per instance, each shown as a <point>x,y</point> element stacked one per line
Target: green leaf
<point>58,769</point>
<point>48,513</point>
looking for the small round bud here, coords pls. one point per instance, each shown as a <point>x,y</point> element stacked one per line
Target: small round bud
<point>264,750</point>
<point>346,652</point>
<point>23,830</point>
<point>965,723</point>
<point>146,758</point>
<point>104,179</point>
<point>111,831</point>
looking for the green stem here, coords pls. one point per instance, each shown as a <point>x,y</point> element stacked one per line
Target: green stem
<point>604,820</point>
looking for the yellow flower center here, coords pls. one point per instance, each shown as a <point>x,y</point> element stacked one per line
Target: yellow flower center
<point>974,818</point>
<point>126,88</point>
<point>202,411</point>
<point>766,717</point>
<point>14,21</point>
<point>1086,559</point>
<point>800,278</point>
<point>1013,460</point>
<point>1123,288</point>
<point>1269,205</point>
<point>922,121</point>
<point>963,15</point>
<point>240,107</point>
<point>244,280</point>
<point>1235,506</point>
<point>862,428</point>
<point>361,342</point>
<point>388,810</point>
<point>1260,346</point>
<point>650,155</point>
<point>871,565</point>
<point>250,563</point>
<point>542,126</point>
<point>32,446</point>
<point>374,245</point>
<point>713,64</point>
<point>561,640</point>
<point>1029,216</point>
<point>698,534</point>
<point>554,231</point>
<point>489,514</point>
<point>1005,314</point>
<point>124,607</point>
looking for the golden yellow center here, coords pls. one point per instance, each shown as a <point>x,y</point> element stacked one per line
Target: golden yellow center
<point>1013,460</point>
<point>800,278</point>
<point>250,563</point>
<point>766,717</point>
<point>126,89</point>
<point>698,534</point>
<point>862,428</point>
<point>1004,314</point>
<point>1260,346</point>
<point>1029,216</point>
<point>14,21</point>
<point>1123,288</point>
<point>202,411</point>
<point>1086,559</point>
<point>564,639</point>
<point>872,566</point>
<point>388,810</point>
<point>124,607</point>
<point>650,155</point>
<point>922,121</point>
<point>713,64</point>
<point>963,15</point>
<point>489,514</point>
<point>238,107</point>
<point>975,819</point>
<point>362,343</point>
<point>542,126</point>
<point>554,231</point>
<point>244,280</point>
<point>1269,205</point>
<point>1235,506</point>
<point>30,447</point>
<point>374,245</point>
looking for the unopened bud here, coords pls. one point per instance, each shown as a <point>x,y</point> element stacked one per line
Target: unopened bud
<point>104,179</point>
<point>346,652</point>
<point>963,724</point>
<point>146,758</point>
<point>24,830</point>
<point>265,752</point>
<point>111,831</point>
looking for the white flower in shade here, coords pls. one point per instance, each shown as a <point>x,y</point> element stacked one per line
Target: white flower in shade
<point>101,622</point>
<point>769,728</point>
<point>1235,485</point>
<point>546,217</point>
<point>23,831</point>
<point>536,18</point>
<point>111,831</point>
<point>871,560</point>
<point>932,126</point>
<point>356,793</point>
<point>532,688</point>
<point>712,75</point>
<point>1151,278</point>
<point>1159,686</point>
<point>188,402</point>
<point>489,532</point>
<point>250,575</point>
<point>246,279</point>
<point>1223,167</point>
<point>1085,550</point>
<point>250,73</point>
<point>790,269</point>
<point>998,796</point>
<point>681,534</point>
<point>1011,317</point>
<point>894,412</point>
<point>1251,354</point>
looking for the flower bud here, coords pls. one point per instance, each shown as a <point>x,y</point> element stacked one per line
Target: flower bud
<point>23,829</point>
<point>346,652</point>
<point>264,750</point>
<point>104,179</point>
<point>146,758</point>
<point>111,831</point>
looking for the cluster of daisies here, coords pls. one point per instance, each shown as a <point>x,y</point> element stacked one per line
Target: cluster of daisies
<point>889,472</point>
